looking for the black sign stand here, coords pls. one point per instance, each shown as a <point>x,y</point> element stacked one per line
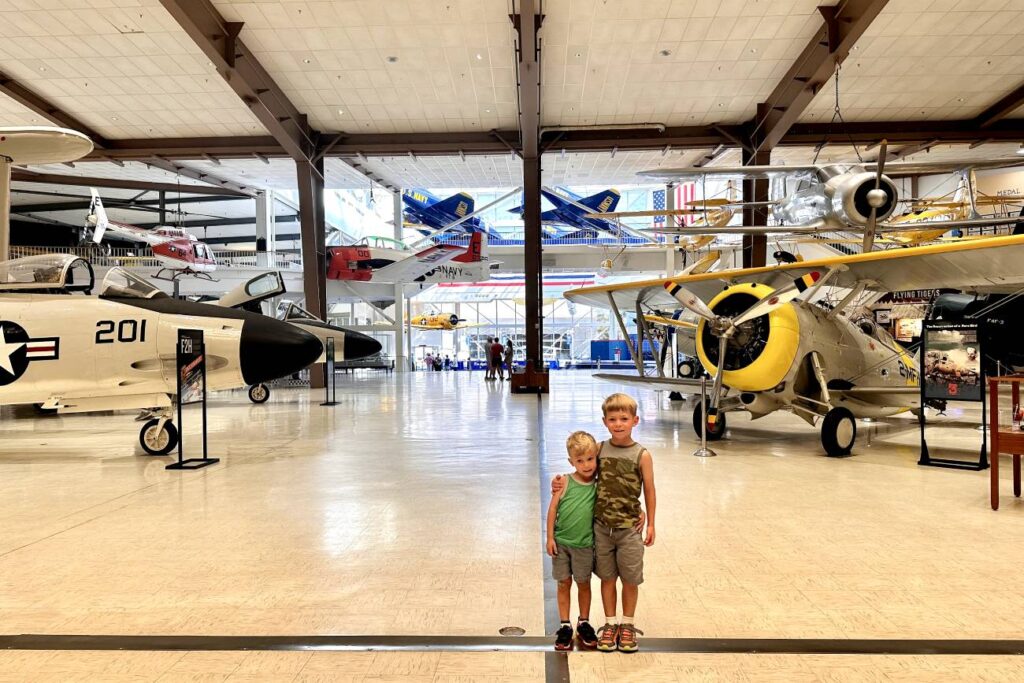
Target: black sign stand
<point>330,381</point>
<point>926,459</point>
<point>191,366</point>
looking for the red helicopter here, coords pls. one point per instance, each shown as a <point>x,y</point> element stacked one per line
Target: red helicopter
<point>178,252</point>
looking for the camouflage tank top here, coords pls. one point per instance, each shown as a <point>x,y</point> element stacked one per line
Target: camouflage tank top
<point>618,485</point>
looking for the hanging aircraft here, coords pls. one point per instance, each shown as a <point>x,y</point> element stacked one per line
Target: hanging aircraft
<point>178,252</point>
<point>68,352</point>
<point>370,272</point>
<point>348,344</point>
<point>439,321</point>
<point>834,197</point>
<point>579,214</point>
<point>783,352</point>
<point>428,213</point>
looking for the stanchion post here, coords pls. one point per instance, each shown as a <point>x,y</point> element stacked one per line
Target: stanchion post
<point>704,451</point>
<point>330,389</point>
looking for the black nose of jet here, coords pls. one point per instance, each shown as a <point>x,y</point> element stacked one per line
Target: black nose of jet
<point>359,345</point>
<point>270,349</point>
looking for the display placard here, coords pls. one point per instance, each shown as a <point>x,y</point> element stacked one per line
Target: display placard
<point>191,366</point>
<point>951,362</point>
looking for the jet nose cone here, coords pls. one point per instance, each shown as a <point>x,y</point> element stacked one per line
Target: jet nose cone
<point>359,345</point>
<point>270,349</point>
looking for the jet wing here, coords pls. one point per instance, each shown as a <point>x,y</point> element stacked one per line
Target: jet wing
<point>815,228</point>
<point>411,268</point>
<point>892,169</point>
<point>991,265</point>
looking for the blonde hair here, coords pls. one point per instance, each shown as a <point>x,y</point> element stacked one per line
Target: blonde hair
<point>619,402</point>
<point>580,443</point>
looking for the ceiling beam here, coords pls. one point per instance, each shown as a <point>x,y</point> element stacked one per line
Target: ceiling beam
<point>1003,108</point>
<point>47,110</point>
<point>178,168</point>
<point>237,147</point>
<point>710,156</point>
<point>843,25</point>
<point>217,222</point>
<point>18,175</point>
<point>80,203</point>
<point>219,41</point>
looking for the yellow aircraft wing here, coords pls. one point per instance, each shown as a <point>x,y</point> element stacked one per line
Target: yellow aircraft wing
<point>990,265</point>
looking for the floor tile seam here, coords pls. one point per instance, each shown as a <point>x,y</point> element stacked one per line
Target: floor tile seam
<point>109,501</point>
<point>61,531</point>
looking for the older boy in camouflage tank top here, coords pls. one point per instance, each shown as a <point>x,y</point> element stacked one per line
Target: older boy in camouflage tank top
<point>625,468</point>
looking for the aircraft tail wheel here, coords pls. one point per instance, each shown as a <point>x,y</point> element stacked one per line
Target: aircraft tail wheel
<point>714,433</point>
<point>259,393</point>
<point>687,368</point>
<point>156,440</point>
<point>838,432</point>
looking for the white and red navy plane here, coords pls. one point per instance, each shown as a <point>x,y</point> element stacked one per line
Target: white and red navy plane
<point>178,252</point>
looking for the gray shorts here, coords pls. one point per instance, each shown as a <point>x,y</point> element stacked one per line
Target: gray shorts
<point>619,554</point>
<point>575,562</point>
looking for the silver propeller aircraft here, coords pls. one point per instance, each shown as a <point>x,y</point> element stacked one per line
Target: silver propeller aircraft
<point>833,197</point>
<point>782,352</point>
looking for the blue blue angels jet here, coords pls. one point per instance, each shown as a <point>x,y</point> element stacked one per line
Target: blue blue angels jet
<point>573,216</point>
<point>428,213</point>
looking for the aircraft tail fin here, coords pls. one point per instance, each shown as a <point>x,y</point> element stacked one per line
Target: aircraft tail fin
<point>459,205</point>
<point>602,202</point>
<point>476,250</point>
<point>98,215</point>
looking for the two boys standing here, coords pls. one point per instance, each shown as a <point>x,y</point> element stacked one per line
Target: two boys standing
<point>594,523</point>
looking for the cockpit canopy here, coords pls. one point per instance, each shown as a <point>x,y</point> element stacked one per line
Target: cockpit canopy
<point>296,312</point>
<point>119,283</point>
<point>47,273</point>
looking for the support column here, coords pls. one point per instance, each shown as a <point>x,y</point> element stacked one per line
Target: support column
<point>314,249</point>
<point>532,259</point>
<point>755,247</point>
<point>5,209</point>
<point>163,207</point>
<point>266,229</point>
<point>670,240</point>
<point>401,364</point>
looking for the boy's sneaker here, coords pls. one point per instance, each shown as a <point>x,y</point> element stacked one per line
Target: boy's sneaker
<point>563,638</point>
<point>627,638</point>
<point>585,634</point>
<point>609,637</point>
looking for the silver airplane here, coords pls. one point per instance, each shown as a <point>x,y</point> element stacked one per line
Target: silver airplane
<point>832,197</point>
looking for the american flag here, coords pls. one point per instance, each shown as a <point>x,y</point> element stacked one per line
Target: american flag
<point>684,194</point>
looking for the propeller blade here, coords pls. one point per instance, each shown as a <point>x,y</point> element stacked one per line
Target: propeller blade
<point>780,296</point>
<point>869,229</point>
<point>689,300</point>
<point>716,391</point>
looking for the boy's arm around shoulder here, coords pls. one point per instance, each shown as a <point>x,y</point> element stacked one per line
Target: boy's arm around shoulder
<point>650,496</point>
<point>551,546</point>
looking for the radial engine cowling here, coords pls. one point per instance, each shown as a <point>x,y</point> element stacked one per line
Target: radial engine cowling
<point>850,198</point>
<point>761,352</point>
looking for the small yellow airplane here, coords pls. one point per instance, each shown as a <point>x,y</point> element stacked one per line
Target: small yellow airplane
<point>439,321</point>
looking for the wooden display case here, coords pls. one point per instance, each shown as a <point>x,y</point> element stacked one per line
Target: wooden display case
<point>1003,438</point>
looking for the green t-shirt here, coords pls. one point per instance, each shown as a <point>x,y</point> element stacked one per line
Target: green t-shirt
<point>574,521</point>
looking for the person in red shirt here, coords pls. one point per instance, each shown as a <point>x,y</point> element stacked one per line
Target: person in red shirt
<point>496,352</point>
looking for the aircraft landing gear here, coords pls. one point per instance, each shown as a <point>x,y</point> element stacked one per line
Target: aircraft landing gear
<point>688,368</point>
<point>259,393</point>
<point>714,433</point>
<point>838,432</point>
<point>158,436</point>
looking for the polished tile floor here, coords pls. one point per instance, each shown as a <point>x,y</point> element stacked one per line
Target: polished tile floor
<point>414,508</point>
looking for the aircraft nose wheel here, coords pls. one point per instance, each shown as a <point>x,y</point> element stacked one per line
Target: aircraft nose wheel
<point>838,432</point>
<point>687,368</point>
<point>714,433</point>
<point>259,393</point>
<point>156,440</point>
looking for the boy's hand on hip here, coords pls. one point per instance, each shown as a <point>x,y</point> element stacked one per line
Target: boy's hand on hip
<point>557,484</point>
<point>641,523</point>
<point>552,547</point>
<point>649,537</point>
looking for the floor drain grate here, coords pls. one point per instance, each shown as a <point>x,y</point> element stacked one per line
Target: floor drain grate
<point>512,631</point>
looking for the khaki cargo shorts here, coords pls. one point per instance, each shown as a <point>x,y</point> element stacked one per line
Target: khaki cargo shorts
<point>619,554</point>
<point>575,562</point>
